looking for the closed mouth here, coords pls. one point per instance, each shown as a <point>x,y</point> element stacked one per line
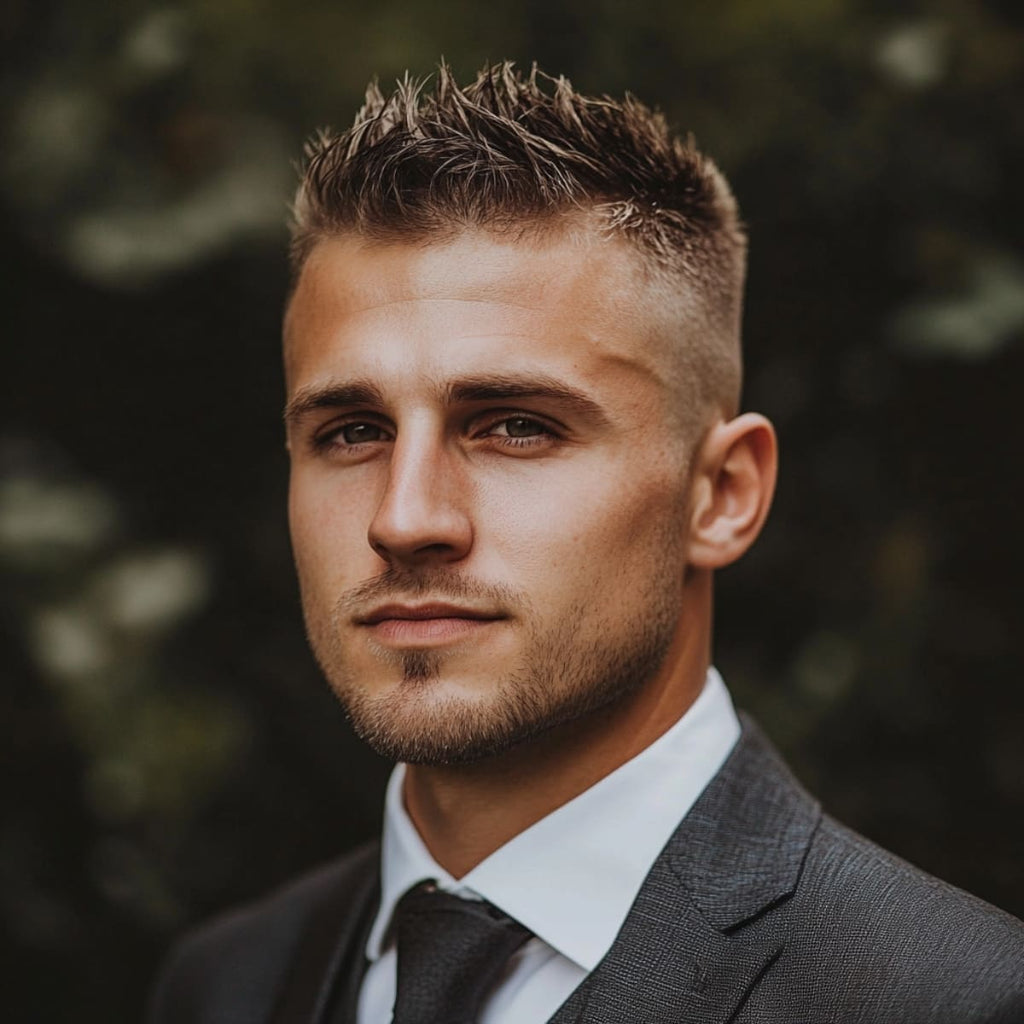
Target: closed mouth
<point>421,612</point>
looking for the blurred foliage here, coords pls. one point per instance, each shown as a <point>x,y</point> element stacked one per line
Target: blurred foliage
<point>169,745</point>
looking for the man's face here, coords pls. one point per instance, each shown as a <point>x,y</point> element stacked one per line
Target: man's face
<point>489,486</point>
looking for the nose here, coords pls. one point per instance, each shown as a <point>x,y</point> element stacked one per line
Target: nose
<point>423,514</point>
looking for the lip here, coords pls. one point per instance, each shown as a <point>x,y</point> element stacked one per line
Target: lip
<point>422,612</point>
<point>425,625</point>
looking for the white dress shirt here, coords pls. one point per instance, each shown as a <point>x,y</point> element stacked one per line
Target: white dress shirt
<point>570,878</point>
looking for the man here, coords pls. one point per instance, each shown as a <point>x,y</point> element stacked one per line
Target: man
<point>513,368</point>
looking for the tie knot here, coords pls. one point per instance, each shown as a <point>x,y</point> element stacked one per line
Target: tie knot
<point>451,952</point>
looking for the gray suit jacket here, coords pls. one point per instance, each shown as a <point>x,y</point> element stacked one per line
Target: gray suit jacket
<point>758,909</point>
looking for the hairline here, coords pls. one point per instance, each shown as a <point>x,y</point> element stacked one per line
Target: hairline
<point>685,310</point>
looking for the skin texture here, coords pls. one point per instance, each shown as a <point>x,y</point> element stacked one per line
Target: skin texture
<point>490,433</point>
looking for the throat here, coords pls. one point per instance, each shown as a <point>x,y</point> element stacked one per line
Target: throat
<point>466,812</point>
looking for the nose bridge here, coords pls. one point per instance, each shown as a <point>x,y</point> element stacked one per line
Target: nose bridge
<point>422,513</point>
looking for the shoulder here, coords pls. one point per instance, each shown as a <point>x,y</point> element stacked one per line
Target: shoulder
<point>858,933</point>
<point>865,885</point>
<point>874,933</point>
<point>229,970</point>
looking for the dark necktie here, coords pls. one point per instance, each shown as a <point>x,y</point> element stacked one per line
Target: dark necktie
<point>451,951</point>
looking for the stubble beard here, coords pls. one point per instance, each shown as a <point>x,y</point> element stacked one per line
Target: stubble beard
<point>561,676</point>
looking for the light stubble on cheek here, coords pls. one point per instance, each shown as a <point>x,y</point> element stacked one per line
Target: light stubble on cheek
<point>458,705</point>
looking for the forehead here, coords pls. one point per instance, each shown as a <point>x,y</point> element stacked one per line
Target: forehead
<point>472,304</point>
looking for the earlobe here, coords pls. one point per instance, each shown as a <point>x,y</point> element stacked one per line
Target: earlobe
<point>733,484</point>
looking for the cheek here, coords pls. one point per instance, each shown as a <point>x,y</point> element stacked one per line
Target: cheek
<point>584,531</point>
<point>328,528</point>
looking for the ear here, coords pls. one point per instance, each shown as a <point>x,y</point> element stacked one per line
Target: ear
<point>733,483</point>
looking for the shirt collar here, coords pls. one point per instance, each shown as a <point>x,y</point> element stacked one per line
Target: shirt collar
<point>572,876</point>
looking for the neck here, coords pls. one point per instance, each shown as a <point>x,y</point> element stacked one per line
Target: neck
<point>465,812</point>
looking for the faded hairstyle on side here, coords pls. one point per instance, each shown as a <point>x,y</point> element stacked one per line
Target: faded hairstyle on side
<point>511,153</point>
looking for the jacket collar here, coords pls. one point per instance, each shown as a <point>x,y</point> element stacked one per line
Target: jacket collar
<point>742,846</point>
<point>698,938</point>
<point>328,958</point>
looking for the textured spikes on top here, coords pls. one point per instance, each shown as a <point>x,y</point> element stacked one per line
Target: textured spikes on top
<point>509,152</point>
<point>511,149</point>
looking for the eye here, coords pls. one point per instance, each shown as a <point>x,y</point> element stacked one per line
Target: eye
<point>519,426</point>
<point>350,439</point>
<point>360,433</point>
<point>519,431</point>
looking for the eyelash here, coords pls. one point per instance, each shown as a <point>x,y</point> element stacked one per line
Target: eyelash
<point>544,435</point>
<point>330,438</point>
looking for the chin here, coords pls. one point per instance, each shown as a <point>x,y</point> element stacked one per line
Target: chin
<point>421,723</point>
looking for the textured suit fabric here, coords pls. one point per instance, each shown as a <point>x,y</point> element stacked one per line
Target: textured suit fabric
<point>759,909</point>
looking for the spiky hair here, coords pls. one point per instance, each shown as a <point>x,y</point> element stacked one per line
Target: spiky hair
<point>511,152</point>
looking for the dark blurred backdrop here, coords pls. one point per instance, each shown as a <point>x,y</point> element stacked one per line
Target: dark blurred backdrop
<point>169,746</point>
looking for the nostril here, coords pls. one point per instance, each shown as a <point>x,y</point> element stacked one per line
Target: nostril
<point>422,514</point>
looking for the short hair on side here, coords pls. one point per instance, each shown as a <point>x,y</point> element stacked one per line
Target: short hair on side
<point>514,151</point>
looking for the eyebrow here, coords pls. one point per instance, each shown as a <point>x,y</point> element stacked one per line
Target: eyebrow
<point>331,396</point>
<point>483,388</point>
<point>502,387</point>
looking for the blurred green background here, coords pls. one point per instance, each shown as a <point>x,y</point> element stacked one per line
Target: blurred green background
<point>169,746</point>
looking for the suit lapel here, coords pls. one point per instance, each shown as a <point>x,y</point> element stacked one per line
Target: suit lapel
<point>331,945</point>
<point>698,937</point>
